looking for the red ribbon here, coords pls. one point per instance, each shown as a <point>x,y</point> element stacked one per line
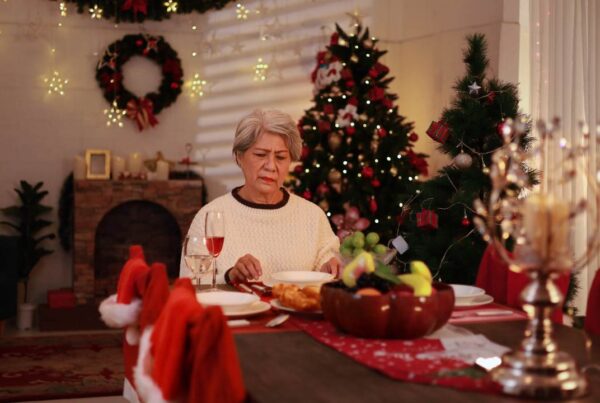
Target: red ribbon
<point>140,110</point>
<point>137,6</point>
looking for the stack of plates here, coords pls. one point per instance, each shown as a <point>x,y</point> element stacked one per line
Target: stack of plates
<point>234,303</point>
<point>467,295</point>
<point>301,278</point>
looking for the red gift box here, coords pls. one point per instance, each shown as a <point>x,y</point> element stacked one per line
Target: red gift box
<point>438,131</point>
<point>63,298</point>
<point>427,219</point>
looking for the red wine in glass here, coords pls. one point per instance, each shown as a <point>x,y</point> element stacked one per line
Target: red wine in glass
<point>214,236</point>
<point>214,245</point>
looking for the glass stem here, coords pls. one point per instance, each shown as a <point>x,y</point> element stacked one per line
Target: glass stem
<point>214,274</point>
<point>198,282</point>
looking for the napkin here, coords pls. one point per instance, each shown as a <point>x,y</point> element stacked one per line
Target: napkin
<point>506,286</point>
<point>189,354</point>
<point>592,314</point>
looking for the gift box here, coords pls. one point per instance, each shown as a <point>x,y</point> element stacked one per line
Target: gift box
<point>62,298</point>
<point>427,219</point>
<point>438,131</point>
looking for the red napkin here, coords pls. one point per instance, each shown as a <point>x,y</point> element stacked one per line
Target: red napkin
<point>506,286</point>
<point>592,314</point>
<point>189,354</point>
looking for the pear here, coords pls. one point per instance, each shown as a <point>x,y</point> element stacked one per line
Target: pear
<point>420,285</point>
<point>363,263</point>
<point>420,268</point>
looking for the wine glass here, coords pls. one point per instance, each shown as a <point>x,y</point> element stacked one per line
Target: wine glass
<point>214,229</point>
<point>195,260</point>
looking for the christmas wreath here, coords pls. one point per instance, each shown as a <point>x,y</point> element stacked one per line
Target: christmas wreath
<point>140,10</point>
<point>110,77</point>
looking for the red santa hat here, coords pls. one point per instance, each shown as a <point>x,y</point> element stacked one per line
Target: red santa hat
<point>188,342</point>
<point>123,308</point>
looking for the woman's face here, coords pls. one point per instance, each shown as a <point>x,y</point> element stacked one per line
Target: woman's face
<point>265,164</point>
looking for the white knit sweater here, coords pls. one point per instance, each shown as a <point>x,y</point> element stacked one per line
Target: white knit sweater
<point>295,236</point>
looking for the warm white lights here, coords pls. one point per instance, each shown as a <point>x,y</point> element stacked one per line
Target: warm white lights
<point>56,84</point>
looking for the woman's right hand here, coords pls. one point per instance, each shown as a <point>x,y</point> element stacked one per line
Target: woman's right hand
<point>246,268</point>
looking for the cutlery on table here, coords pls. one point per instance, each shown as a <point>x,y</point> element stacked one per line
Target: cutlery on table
<point>485,312</point>
<point>278,320</point>
<point>238,323</point>
<point>246,288</point>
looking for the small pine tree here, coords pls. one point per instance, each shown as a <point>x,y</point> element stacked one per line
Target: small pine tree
<point>439,228</point>
<point>357,150</point>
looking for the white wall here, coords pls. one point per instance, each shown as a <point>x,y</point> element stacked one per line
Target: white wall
<point>40,134</point>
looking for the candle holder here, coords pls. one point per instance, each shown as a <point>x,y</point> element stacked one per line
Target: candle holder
<point>538,229</point>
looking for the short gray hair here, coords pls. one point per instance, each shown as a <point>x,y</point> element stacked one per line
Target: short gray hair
<point>269,121</point>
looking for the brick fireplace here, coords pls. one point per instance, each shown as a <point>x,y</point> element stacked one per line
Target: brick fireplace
<point>111,215</point>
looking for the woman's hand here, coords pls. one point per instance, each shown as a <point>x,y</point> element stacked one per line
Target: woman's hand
<point>246,268</point>
<point>332,266</point>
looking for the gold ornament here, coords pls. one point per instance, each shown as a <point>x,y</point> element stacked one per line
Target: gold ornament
<point>394,171</point>
<point>334,141</point>
<point>324,205</point>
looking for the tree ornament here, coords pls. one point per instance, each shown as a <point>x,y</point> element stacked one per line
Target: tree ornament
<point>463,160</point>
<point>503,129</point>
<point>413,137</point>
<point>307,194</point>
<point>334,140</point>
<point>490,97</point>
<point>474,88</point>
<point>322,189</point>
<point>349,222</point>
<point>381,132</point>
<point>350,130</point>
<point>465,222</point>
<point>367,172</point>
<point>375,183</point>
<point>141,110</point>
<point>334,176</point>
<point>373,205</point>
<point>438,131</point>
<point>427,219</point>
<point>323,126</point>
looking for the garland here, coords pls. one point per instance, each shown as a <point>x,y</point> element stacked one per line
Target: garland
<point>140,10</point>
<point>110,77</point>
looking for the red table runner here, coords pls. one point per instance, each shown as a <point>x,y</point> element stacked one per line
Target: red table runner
<point>419,361</point>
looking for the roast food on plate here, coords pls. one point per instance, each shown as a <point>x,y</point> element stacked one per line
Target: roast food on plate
<point>306,299</point>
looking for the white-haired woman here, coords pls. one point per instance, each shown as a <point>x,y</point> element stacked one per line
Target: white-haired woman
<point>268,229</point>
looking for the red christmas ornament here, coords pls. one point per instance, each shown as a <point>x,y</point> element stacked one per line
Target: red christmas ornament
<point>373,73</point>
<point>387,103</point>
<point>465,222</point>
<point>381,132</point>
<point>438,131</point>
<point>500,128</point>
<point>322,189</point>
<point>413,137</point>
<point>490,97</point>
<point>375,183</point>
<point>346,73</point>
<point>307,194</point>
<point>353,101</point>
<point>419,163</point>
<point>304,153</point>
<point>324,126</point>
<point>174,86</point>
<point>350,130</point>
<point>373,205</point>
<point>367,172</point>
<point>350,83</point>
<point>427,219</point>
<point>328,109</point>
<point>376,94</point>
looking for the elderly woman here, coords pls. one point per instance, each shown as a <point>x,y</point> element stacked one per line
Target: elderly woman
<point>268,229</point>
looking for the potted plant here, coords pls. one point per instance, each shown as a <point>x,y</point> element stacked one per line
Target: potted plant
<point>26,222</point>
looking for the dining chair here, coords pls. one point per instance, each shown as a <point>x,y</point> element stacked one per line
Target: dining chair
<point>188,355</point>
<point>592,312</point>
<point>506,286</point>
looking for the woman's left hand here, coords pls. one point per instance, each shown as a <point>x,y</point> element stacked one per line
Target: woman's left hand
<point>332,266</point>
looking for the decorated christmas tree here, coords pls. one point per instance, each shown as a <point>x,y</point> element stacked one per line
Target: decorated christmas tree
<point>439,227</point>
<point>357,160</point>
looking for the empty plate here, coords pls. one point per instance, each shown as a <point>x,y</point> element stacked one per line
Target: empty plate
<point>466,292</point>
<point>226,299</point>
<point>247,310</point>
<point>475,301</point>
<point>301,277</point>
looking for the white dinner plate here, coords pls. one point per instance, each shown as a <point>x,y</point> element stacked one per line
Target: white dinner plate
<point>475,301</point>
<point>278,305</point>
<point>466,292</point>
<point>247,310</point>
<point>226,299</point>
<point>300,278</point>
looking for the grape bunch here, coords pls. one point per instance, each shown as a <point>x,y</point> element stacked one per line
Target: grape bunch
<point>357,242</point>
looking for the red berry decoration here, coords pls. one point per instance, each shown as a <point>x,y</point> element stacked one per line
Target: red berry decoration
<point>307,194</point>
<point>375,183</point>
<point>381,132</point>
<point>373,205</point>
<point>465,222</point>
<point>350,130</point>
<point>367,172</point>
<point>413,137</point>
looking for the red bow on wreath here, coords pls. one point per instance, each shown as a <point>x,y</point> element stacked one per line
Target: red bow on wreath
<point>137,6</point>
<point>140,110</point>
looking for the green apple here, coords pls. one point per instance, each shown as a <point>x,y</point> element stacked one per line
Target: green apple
<point>347,242</point>
<point>357,251</point>
<point>372,238</point>
<point>345,252</point>
<point>420,285</point>
<point>363,263</point>
<point>358,242</point>
<point>380,249</point>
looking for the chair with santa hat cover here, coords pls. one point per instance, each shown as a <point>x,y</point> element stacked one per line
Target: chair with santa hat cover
<point>506,286</point>
<point>188,355</point>
<point>592,312</point>
<point>142,291</point>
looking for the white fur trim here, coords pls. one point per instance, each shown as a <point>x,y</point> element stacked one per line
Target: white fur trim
<point>129,392</point>
<point>146,387</point>
<point>118,315</point>
<point>132,335</point>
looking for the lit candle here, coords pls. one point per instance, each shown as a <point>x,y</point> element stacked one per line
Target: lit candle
<point>135,163</point>
<point>79,168</point>
<point>118,167</point>
<point>162,170</point>
<point>546,224</point>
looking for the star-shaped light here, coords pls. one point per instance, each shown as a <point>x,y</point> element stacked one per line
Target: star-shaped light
<point>474,88</point>
<point>241,12</point>
<point>114,115</point>
<point>197,86</point>
<point>260,70</point>
<point>96,12</point>
<point>171,6</point>
<point>56,84</point>
<point>62,7</point>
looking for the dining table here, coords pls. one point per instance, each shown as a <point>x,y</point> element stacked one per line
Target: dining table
<point>287,365</point>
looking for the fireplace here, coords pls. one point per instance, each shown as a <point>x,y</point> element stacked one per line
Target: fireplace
<point>112,215</point>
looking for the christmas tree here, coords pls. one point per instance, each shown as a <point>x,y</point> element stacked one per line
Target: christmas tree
<point>439,227</point>
<point>357,160</point>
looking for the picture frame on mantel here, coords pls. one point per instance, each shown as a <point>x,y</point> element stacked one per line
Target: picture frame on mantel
<point>97,163</point>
